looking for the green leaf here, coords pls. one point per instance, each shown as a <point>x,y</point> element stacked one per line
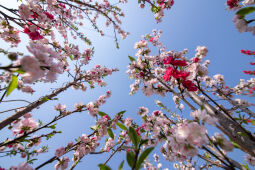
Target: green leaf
<point>31,161</point>
<point>130,158</point>
<point>23,139</point>
<point>121,165</point>
<point>253,122</point>
<point>245,11</point>
<point>235,144</point>
<point>45,98</point>
<point>123,127</point>
<point>143,142</point>
<point>49,136</point>
<point>133,136</point>
<point>110,133</point>
<point>117,45</point>
<point>104,167</point>
<point>121,113</point>
<point>20,70</point>
<point>237,118</point>
<point>245,122</point>
<point>71,56</point>
<point>131,58</point>
<point>181,68</point>
<point>53,126</point>
<point>13,85</point>
<point>102,114</point>
<point>243,134</point>
<point>207,155</point>
<point>40,123</point>
<point>93,127</point>
<point>154,9</point>
<point>246,167</point>
<point>143,156</point>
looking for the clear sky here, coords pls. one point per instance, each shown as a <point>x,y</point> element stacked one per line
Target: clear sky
<point>187,25</point>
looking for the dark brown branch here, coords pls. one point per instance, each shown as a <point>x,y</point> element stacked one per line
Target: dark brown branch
<point>227,126</point>
<point>212,162</point>
<point>55,157</point>
<point>114,153</point>
<point>34,105</point>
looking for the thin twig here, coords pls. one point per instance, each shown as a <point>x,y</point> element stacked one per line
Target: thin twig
<point>114,153</point>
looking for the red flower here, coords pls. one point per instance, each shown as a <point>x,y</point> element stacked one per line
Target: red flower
<point>172,2</point>
<point>179,63</point>
<point>242,51</point>
<point>168,60</point>
<point>249,72</point>
<point>34,15</point>
<point>232,3</point>
<point>180,74</point>
<point>195,60</point>
<point>189,85</point>
<point>156,113</point>
<point>33,35</point>
<point>106,117</point>
<point>26,30</point>
<point>248,120</point>
<point>141,74</point>
<point>168,73</point>
<point>50,16</point>
<point>247,52</point>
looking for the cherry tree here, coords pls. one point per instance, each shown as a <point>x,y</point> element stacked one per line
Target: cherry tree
<point>181,139</point>
<point>51,26</point>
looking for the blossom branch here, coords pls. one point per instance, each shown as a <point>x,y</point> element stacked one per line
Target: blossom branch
<point>34,105</point>
<point>68,149</point>
<point>212,162</point>
<point>114,153</point>
<point>244,109</point>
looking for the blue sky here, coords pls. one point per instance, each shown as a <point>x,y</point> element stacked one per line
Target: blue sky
<point>187,25</point>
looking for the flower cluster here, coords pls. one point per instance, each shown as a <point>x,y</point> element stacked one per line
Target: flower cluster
<point>204,116</point>
<point>157,7</point>
<point>62,164</point>
<point>242,25</point>
<point>184,141</point>
<point>163,72</point>
<point>9,34</point>
<point>45,63</point>
<point>181,138</point>
<point>22,166</point>
<point>25,125</point>
<point>88,144</point>
<point>93,107</point>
